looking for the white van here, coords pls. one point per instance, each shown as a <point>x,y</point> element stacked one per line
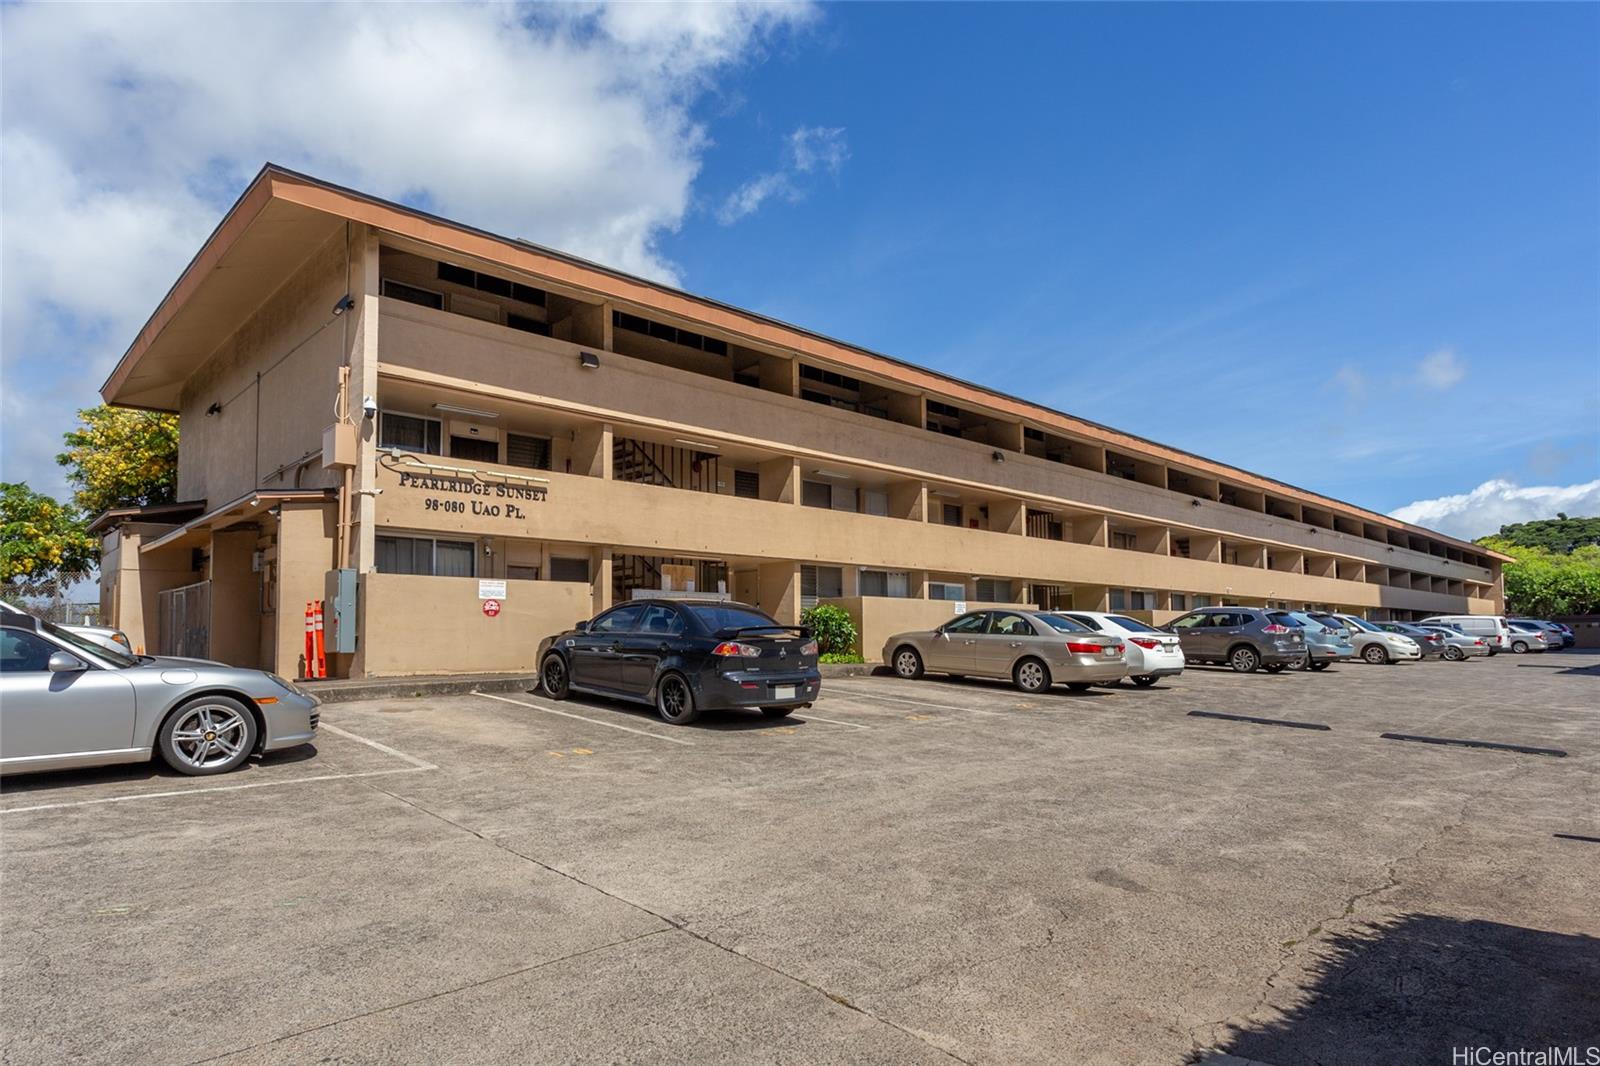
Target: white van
<point>1491,627</point>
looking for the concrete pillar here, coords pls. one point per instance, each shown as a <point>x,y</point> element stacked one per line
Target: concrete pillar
<point>363,356</point>
<point>1008,516</point>
<point>779,591</point>
<point>1090,529</point>
<point>304,557</point>
<point>909,500</point>
<point>600,577</point>
<point>591,451</point>
<point>780,480</point>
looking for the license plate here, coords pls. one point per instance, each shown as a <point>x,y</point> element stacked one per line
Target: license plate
<point>783,692</point>
<point>1108,651</point>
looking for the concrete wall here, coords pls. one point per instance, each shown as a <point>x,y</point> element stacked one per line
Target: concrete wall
<point>436,625</point>
<point>131,579</point>
<point>225,455</point>
<point>304,556</point>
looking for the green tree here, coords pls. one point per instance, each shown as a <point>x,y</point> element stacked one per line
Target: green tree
<point>41,539</point>
<point>119,457</point>
<point>1558,534</point>
<point>1541,582</point>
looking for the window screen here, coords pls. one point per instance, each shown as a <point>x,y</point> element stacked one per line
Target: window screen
<point>994,590</point>
<point>952,514</point>
<point>531,452</point>
<point>816,494</point>
<point>819,582</point>
<point>479,451</point>
<point>409,433</point>
<point>747,483</point>
<point>568,569</point>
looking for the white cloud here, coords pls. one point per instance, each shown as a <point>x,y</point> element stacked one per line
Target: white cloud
<point>1497,503</point>
<point>807,150</point>
<point>1441,369</point>
<point>128,129</point>
<point>1351,380</point>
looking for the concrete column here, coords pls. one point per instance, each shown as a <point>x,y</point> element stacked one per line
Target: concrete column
<point>780,480</point>
<point>1090,529</point>
<point>305,555</point>
<point>591,450</point>
<point>779,591</point>
<point>850,581</point>
<point>600,577</point>
<point>1008,516</point>
<point>363,356</point>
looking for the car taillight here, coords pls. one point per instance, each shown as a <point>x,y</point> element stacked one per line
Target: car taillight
<point>730,648</point>
<point>1146,643</point>
<point>808,648</point>
<point>1083,649</point>
<point>1274,628</point>
<point>1479,643</point>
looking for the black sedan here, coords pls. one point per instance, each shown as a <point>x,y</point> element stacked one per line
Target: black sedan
<point>685,657</point>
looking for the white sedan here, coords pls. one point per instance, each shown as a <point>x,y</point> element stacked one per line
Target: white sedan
<point>1151,653</point>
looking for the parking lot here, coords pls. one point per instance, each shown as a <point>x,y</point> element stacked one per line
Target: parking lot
<point>916,872</point>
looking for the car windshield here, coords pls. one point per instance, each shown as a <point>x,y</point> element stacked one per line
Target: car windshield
<point>1063,625</point>
<point>1132,625</point>
<point>717,617</point>
<point>1363,625</point>
<point>99,651</point>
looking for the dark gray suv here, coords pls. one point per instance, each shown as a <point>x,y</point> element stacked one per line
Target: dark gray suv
<point>1245,638</point>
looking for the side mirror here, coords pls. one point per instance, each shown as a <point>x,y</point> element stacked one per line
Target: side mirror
<point>63,663</point>
<point>581,627</point>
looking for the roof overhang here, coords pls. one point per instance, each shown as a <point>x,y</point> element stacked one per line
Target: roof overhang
<point>284,217</point>
<point>243,509</point>
<point>160,512</point>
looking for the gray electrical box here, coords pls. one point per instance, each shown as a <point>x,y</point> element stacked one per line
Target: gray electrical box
<point>339,611</point>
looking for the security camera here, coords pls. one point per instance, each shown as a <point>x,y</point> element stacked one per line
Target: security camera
<point>369,407</point>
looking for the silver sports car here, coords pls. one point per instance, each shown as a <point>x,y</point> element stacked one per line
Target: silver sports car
<point>1035,649</point>
<point>66,701</point>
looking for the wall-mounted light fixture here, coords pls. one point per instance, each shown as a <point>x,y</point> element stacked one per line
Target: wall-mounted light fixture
<point>700,444</point>
<point>998,456</point>
<point>589,361</point>
<point>214,409</point>
<point>1194,503</point>
<point>833,475</point>
<point>345,303</point>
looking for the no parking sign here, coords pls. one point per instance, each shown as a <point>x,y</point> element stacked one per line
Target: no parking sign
<point>491,607</point>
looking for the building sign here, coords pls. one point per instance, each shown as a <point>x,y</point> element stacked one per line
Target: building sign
<point>490,499</point>
<point>491,607</point>
<point>491,590</point>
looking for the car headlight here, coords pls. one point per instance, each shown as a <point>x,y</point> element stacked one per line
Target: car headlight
<point>282,683</point>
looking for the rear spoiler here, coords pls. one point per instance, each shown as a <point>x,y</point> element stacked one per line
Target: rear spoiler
<point>803,632</point>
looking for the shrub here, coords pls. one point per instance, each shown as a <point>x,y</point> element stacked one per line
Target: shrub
<point>832,627</point>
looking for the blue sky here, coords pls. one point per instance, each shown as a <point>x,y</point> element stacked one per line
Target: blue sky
<point>1353,247</point>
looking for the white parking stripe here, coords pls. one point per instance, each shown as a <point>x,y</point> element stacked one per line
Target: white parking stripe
<point>807,716</point>
<point>865,694</point>
<point>417,766</point>
<point>413,760</point>
<point>220,788</point>
<point>581,718</point>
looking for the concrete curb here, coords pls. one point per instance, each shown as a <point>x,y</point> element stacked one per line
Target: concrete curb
<point>400,688</point>
<point>850,669</point>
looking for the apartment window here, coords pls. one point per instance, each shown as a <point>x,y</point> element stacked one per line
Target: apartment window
<point>1202,601</point>
<point>425,555</point>
<point>944,418</point>
<point>952,514</point>
<point>522,573</point>
<point>399,290</point>
<point>474,449</point>
<point>1180,546</point>
<point>670,334</point>
<point>895,583</point>
<point>946,590</point>
<point>1140,600</point>
<point>528,325</point>
<point>1119,599</point>
<point>747,484</point>
<point>816,494</point>
<point>568,569</point>
<point>1127,541</point>
<point>409,433</point>
<point>820,582</point>
<point>1180,602</point>
<point>1029,433</point>
<point>456,275</point>
<point>994,590</point>
<point>875,501</point>
<point>526,451</point>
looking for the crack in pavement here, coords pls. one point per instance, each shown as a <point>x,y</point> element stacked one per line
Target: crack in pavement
<point>1290,949</point>
<point>673,924</point>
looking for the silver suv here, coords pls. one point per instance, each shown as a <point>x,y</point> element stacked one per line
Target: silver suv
<point>1245,638</point>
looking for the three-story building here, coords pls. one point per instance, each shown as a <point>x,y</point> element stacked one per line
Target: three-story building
<point>491,440</point>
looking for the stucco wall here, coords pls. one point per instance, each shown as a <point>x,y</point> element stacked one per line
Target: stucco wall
<point>225,455</point>
<point>436,625</point>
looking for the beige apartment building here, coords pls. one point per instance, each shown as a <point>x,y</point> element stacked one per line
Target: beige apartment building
<point>411,418</point>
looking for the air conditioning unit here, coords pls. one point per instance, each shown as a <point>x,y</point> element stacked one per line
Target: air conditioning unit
<point>474,430</point>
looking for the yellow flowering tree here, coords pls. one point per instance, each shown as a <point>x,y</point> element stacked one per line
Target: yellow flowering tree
<point>119,457</point>
<point>41,539</point>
